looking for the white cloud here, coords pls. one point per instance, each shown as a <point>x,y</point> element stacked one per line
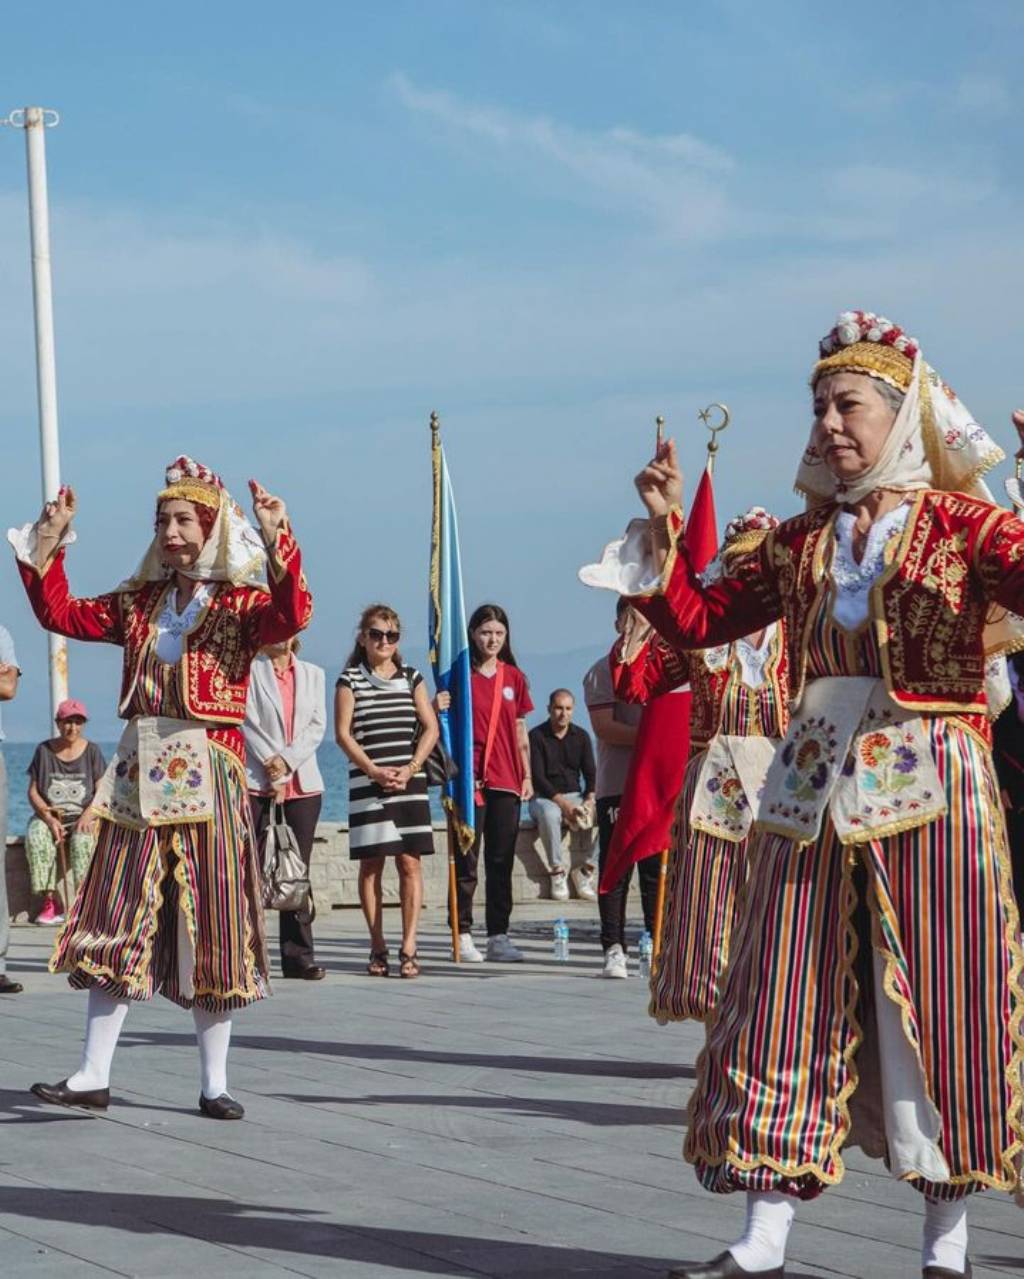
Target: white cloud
<point>674,180</point>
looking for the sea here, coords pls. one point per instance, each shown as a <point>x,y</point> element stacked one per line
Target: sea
<point>333,767</point>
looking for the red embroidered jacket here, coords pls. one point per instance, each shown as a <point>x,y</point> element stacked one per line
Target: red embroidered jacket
<point>958,559</point>
<point>216,654</point>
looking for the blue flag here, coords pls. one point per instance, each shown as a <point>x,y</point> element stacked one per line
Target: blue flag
<point>449,650</point>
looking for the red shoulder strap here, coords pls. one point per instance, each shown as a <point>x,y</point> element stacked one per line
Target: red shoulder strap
<point>492,726</point>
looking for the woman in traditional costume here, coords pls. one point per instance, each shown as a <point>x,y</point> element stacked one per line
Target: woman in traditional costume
<point>877,943</point>
<point>739,710</point>
<point>171,900</point>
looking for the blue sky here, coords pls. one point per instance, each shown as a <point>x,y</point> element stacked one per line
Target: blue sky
<point>281,238</point>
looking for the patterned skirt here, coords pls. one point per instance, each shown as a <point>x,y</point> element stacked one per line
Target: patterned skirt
<point>705,874</point>
<point>173,909</point>
<point>772,1105</point>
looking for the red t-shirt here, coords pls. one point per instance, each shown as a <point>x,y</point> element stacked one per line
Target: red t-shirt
<point>505,766</point>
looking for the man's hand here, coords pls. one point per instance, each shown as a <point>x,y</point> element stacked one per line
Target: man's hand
<point>270,511</point>
<point>660,483</point>
<point>565,805</point>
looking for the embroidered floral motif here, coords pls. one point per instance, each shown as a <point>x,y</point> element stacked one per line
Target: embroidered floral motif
<point>809,757</point>
<point>727,798</point>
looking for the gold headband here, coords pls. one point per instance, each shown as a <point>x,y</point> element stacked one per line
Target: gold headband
<point>873,358</point>
<point>745,542</point>
<point>191,491</point>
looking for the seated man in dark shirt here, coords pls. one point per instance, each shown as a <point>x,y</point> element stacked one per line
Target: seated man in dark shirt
<point>562,764</point>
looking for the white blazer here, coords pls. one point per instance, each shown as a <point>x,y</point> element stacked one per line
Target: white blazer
<point>264,725</point>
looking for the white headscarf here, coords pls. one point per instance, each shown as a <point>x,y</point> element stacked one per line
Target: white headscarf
<point>233,552</point>
<point>934,443</point>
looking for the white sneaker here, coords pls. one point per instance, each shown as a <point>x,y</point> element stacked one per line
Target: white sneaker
<point>584,880</point>
<point>501,951</point>
<point>559,886</point>
<point>615,962</point>
<point>468,953</point>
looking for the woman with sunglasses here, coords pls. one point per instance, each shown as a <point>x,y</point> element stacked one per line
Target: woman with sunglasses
<point>386,725</point>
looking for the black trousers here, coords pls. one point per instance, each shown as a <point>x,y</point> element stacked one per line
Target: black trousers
<point>612,906</point>
<point>295,927</point>
<point>497,824</point>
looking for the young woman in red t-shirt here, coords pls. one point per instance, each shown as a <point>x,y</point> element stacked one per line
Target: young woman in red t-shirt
<point>501,768</point>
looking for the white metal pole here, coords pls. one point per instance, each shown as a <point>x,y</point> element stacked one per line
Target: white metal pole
<point>36,121</point>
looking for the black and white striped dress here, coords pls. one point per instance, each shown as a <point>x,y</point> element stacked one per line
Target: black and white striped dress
<point>383,823</point>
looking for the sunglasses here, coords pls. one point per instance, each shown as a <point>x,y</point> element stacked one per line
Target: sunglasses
<point>381,637</point>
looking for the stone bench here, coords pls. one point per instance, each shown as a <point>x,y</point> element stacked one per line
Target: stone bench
<point>335,877</point>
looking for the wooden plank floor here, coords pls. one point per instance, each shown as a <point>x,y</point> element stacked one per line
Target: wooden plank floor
<point>490,1121</point>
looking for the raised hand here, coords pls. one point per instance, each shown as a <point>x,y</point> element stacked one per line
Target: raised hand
<point>660,483</point>
<point>56,516</point>
<point>270,511</point>
<point>1018,421</point>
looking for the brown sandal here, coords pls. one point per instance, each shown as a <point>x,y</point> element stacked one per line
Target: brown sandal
<point>378,964</point>
<point>408,965</point>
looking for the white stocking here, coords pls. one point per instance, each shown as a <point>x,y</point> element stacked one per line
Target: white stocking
<point>104,1020</point>
<point>944,1241</point>
<point>769,1217</point>
<point>213,1035</point>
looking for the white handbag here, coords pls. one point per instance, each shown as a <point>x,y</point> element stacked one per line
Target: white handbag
<point>285,873</point>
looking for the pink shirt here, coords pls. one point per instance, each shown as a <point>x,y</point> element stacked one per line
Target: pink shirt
<point>286,691</point>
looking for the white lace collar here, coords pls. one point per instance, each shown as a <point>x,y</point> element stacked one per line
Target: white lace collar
<point>852,581</point>
<point>753,659</point>
<point>172,626</point>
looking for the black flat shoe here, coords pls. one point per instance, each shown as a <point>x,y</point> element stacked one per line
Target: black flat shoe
<point>724,1266</point>
<point>944,1272</point>
<point>312,972</point>
<point>222,1107</point>
<point>61,1095</point>
<point>8,987</point>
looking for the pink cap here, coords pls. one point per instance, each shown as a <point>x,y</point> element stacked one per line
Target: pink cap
<point>69,707</point>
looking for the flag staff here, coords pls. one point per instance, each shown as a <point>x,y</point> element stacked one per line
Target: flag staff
<point>705,417</point>
<point>715,430</point>
<point>453,904</point>
<point>659,901</point>
<point>35,121</point>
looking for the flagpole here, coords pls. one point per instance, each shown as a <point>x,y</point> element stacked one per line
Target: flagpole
<point>659,901</point>
<point>453,903</point>
<point>35,121</point>
<point>714,430</point>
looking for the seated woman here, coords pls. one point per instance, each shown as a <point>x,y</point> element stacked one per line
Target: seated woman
<point>171,900</point>
<point>63,776</point>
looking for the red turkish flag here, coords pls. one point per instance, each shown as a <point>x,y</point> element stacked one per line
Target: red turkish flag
<point>643,826</point>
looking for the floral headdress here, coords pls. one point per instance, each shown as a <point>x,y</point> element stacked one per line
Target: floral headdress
<point>746,532</point>
<point>190,481</point>
<point>862,342</point>
<point>233,551</point>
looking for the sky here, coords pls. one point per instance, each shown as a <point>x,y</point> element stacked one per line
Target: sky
<point>282,237</point>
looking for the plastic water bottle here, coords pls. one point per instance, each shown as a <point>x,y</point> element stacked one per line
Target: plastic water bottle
<point>645,952</point>
<point>561,935</point>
